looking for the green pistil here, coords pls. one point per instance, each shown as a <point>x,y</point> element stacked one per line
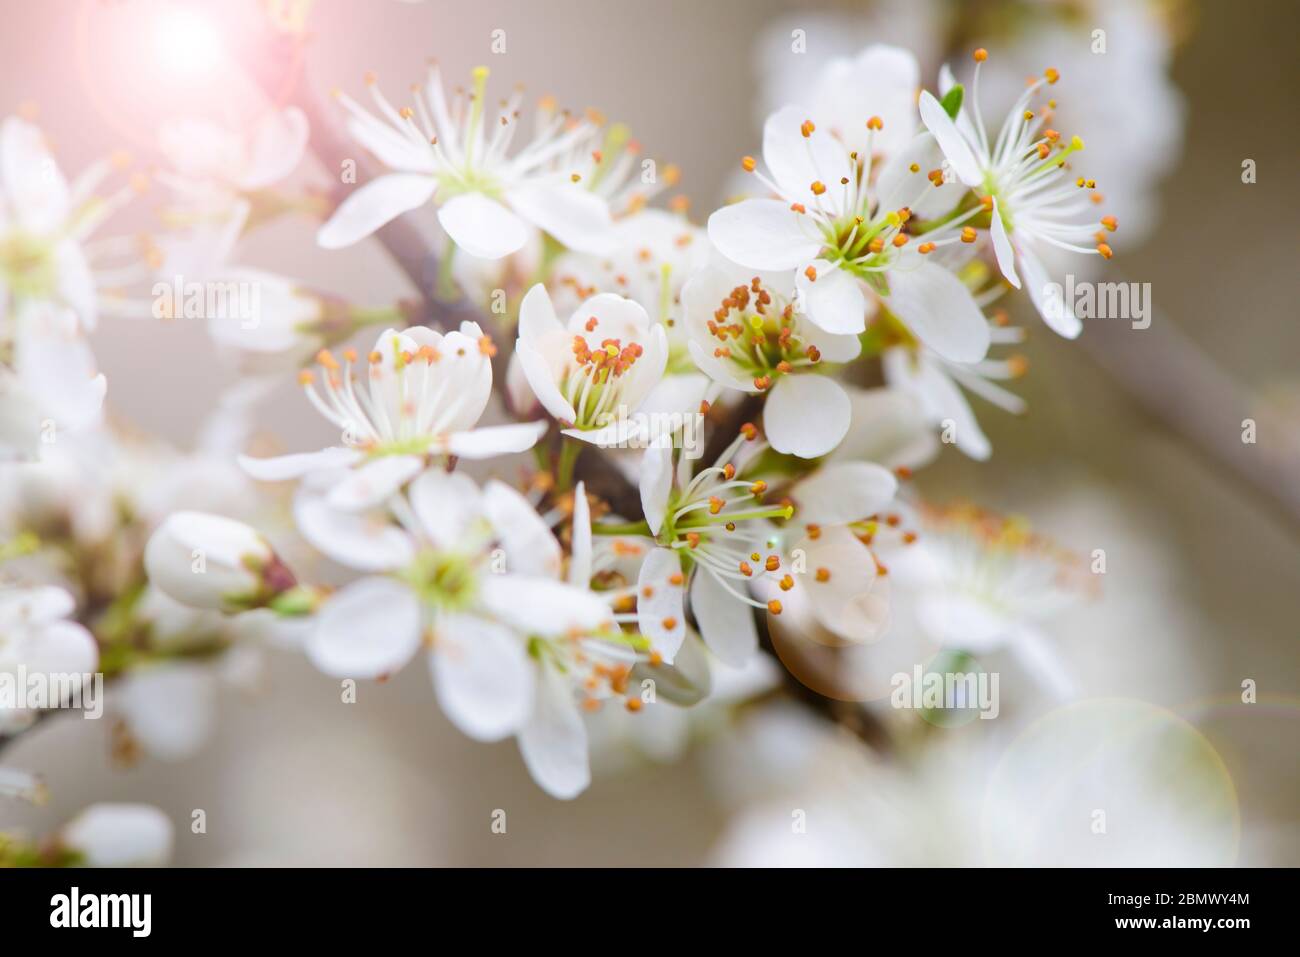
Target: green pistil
<point>476,111</point>
<point>1058,159</point>
<point>445,580</point>
<point>615,139</point>
<point>27,265</point>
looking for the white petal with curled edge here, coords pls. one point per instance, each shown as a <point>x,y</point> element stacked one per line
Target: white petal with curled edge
<point>542,605</point>
<point>283,467</point>
<point>955,148</point>
<point>841,492</point>
<point>763,234</point>
<point>360,541</point>
<point>530,545</point>
<point>1056,312</point>
<point>538,373</point>
<point>853,602</point>
<point>833,301</point>
<point>938,308</point>
<point>481,226</point>
<point>370,629</point>
<point>374,205</point>
<point>806,415</point>
<point>656,482</point>
<point>482,676</point>
<point>374,482</point>
<point>726,623</point>
<point>553,741</point>
<point>537,319</point>
<point>1006,256</point>
<point>660,608</point>
<point>446,503</point>
<point>575,216</point>
<point>580,556</point>
<point>492,440</point>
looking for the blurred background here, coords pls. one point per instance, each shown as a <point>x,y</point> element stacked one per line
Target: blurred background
<point>1202,589</point>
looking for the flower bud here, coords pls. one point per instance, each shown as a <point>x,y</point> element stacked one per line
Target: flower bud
<point>208,561</point>
<point>119,835</point>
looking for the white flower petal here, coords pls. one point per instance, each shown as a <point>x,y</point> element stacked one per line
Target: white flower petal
<point>370,629</point>
<point>806,415</point>
<point>538,373</point>
<point>170,707</point>
<point>531,548</point>
<point>492,440</point>
<point>938,308</point>
<point>581,550</point>
<point>542,605</point>
<point>763,234</point>
<point>660,607</point>
<point>34,186</point>
<point>554,740</point>
<point>365,487</point>
<point>841,492</point>
<point>940,398</point>
<point>954,145</point>
<point>853,602</point>
<point>726,623</point>
<point>375,204</point>
<point>482,676</point>
<point>899,186</point>
<point>1006,256</point>
<point>446,503</point>
<point>481,226</point>
<point>656,482</point>
<point>120,835</point>
<point>889,428</point>
<point>1057,313</point>
<point>577,217</point>
<point>797,161</point>
<point>359,541</point>
<point>833,301</point>
<point>282,467</point>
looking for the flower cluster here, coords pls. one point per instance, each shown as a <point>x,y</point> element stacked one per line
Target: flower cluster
<point>705,466</point>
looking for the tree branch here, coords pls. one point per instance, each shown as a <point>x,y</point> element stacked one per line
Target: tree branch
<point>1174,380</point>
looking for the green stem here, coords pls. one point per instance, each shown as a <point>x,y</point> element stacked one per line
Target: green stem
<point>362,316</point>
<point>622,528</point>
<point>569,452</point>
<point>447,290</point>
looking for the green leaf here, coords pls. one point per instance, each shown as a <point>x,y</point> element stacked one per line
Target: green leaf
<point>951,101</point>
